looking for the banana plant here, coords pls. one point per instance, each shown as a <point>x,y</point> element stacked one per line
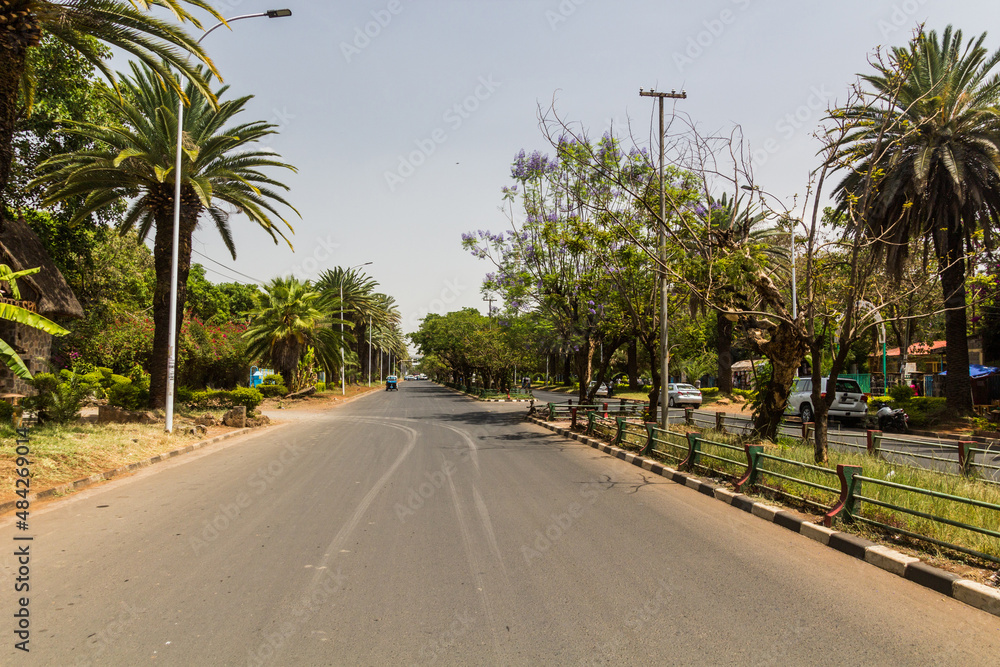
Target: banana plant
<point>20,315</point>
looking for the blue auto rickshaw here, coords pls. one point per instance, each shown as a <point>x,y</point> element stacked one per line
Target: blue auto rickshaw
<point>390,383</point>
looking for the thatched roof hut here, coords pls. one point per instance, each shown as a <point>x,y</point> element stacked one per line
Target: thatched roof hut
<point>21,249</point>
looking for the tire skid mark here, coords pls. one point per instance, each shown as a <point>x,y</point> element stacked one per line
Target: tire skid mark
<point>347,528</point>
<point>477,573</point>
<point>484,517</point>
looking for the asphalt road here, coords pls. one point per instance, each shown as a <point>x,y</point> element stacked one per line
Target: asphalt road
<point>420,527</point>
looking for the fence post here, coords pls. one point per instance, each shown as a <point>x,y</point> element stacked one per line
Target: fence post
<point>605,410</point>
<point>689,416</point>
<point>874,441</point>
<point>621,431</point>
<point>621,405</point>
<point>572,412</point>
<point>849,486</point>
<point>591,416</point>
<point>966,457</point>
<point>648,447</point>
<point>694,452</point>
<point>552,412</point>
<point>720,424</point>
<point>570,402</point>
<point>749,478</point>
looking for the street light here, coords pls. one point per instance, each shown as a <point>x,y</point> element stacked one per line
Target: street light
<point>343,381</point>
<point>172,328</point>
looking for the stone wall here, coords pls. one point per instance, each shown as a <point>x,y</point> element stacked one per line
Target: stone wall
<point>33,346</point>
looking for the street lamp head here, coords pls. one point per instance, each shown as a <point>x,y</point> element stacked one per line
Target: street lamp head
<point>278,13</point>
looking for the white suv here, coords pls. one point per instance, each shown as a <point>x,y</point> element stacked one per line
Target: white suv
<point>850,402</point>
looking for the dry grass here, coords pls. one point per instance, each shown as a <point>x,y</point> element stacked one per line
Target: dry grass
<point>66,453</point>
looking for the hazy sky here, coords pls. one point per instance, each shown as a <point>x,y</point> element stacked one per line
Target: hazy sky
<point>403,116</point>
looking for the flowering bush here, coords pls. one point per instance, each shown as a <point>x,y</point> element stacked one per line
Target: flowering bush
<point>212,355</point>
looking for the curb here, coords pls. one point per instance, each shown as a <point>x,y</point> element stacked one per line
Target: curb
<point>108,474</point>
<point>971,593</point>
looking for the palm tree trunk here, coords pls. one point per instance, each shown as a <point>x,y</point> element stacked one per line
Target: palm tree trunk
<point>162,249</point>
<point>11,68</point>
<point>958,386</point>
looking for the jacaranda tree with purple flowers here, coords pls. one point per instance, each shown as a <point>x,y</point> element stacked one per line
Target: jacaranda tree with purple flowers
<point>550,259</point>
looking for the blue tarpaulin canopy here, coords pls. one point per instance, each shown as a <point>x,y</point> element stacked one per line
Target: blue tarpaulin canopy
<point>977,371</point>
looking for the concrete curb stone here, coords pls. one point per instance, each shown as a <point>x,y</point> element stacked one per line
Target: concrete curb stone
<point>969,592</point>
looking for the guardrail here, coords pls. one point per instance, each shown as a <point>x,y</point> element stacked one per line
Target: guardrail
<point>965,524</point>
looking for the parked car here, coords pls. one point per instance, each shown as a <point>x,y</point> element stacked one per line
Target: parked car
<point>850,402</point>
<point>603,390</point>
<point>683,394</point>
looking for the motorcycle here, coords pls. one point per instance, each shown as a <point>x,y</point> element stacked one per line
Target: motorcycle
<point>890,419</point>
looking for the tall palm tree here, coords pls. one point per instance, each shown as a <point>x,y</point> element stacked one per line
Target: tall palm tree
<point>293,317</point>
<point>932,137</point>
<point>127,25</point>
<point>134,161</point>
<point>362,305</point>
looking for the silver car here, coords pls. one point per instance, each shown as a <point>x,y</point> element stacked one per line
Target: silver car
<point>683,394</point>
<point>850,402</point>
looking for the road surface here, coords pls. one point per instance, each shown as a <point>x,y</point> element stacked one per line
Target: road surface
<point>419,527</point>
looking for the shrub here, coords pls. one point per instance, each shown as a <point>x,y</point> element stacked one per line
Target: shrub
<point>901,393</point>
<point>709,391</point>
<point>926,410</point>
<point>247,396</point>
<point>129,395</point>
<point>221,398</point>
<point>320,386</point>
<point>57,401</point>
<point>6,412</point>
<point>272,390</point>
<point>273,379</point>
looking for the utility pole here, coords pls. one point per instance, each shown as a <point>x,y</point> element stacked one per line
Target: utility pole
<point>489,313</point>
<point>661,238</point>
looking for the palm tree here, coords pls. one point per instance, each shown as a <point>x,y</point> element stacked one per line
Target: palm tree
<point>932,138</point>
<point>292,318</point>
<point>127,25</point>
<point>134,161</point>
<point>731,224</point>
<point>363,307</point>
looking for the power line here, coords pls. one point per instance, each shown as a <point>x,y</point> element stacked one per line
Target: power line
<point>261,282</point>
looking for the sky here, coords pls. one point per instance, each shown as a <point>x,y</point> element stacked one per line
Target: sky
<point>402,117</point>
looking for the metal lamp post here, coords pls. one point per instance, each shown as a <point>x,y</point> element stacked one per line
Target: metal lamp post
<point>172,328</point>
<point>343,381</point>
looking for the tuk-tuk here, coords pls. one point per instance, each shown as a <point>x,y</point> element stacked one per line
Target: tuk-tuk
<point>390,383</point>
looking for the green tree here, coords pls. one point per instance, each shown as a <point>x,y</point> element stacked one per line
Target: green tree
<point>219,302</point>
<point>935,149</point>
<point>291,319</point>
<point>135,161</point>
<point>85,26</point>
